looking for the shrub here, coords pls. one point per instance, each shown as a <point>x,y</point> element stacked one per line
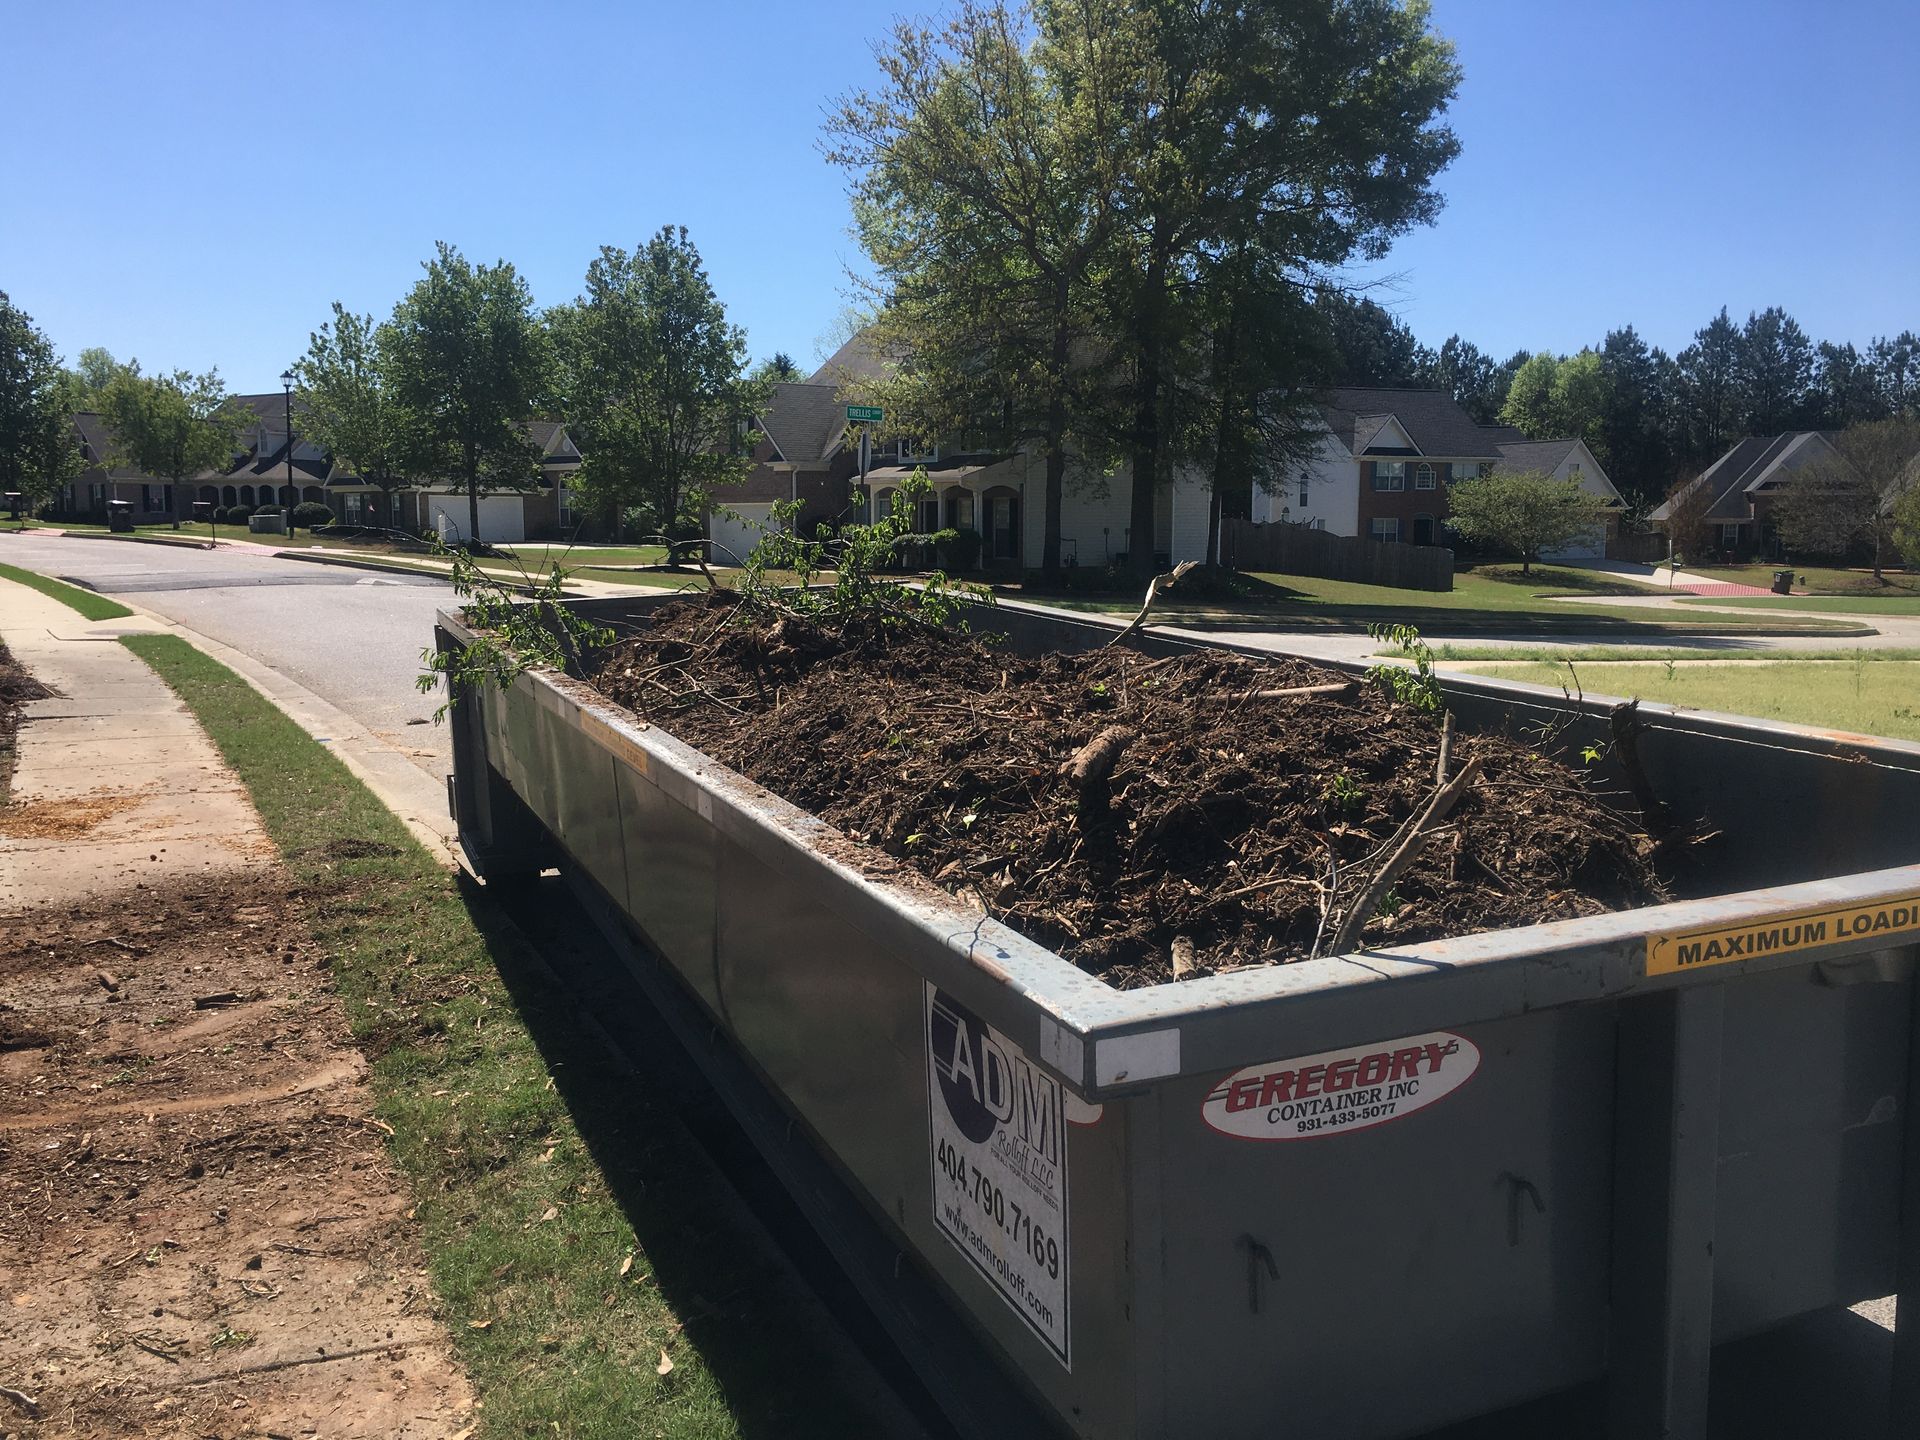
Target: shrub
<point>234,514</point>
<point>960,552</point>
<point>310,513</point>
<point>268,509</point>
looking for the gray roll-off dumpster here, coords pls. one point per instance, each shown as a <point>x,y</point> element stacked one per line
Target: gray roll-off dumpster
<point>1351,1198</point>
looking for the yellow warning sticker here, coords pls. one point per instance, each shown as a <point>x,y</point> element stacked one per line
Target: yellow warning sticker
<point>1895,920</point>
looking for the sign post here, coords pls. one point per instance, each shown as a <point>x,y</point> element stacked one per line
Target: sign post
<point>864,416</point>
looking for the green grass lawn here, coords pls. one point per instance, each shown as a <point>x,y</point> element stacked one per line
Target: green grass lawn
<point>1488,598</point>
<point>1895,602</point>
<point>539,1169</point>
<point>576,557</point>
<point>1629,654</point>
<point>1868,697</point>
<point>94,607</point>
<point>1816,579</point>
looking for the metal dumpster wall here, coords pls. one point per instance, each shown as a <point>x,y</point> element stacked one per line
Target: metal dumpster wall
<point>826,994</point>
<point>820,974</point>
<point>1458,1260</point>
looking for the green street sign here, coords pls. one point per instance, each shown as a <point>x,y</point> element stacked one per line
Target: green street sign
<point>865,414</point>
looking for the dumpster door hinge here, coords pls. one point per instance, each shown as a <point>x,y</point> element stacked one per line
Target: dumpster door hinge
<point>1258,1257</point>
<point>1518,1186</point>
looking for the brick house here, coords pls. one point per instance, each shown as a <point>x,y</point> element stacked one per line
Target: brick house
<point>1388,456</point>
<point>1743,484</point>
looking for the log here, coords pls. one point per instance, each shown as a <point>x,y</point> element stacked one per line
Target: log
<point>1408,850</point>
<point>1296,692</point>
<point>1446,750</point>
<point>1623,721</point>
<point>1155,587</point>
<point>1183,962</point>
<point>1093,762</point>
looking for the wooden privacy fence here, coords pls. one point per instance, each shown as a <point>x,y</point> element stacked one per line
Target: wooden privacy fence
<point>1296,550</point>
<point>1641,547</point>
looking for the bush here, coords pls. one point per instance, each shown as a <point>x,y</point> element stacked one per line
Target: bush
<point>311,513</point>
<point>268,509</point>
<point>233,514</point>
<point>960,552</point>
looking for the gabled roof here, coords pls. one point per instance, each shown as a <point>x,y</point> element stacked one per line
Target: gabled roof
<point>1544,455</point>
<point>854,361</point>
<point>805,420</point>
<point>1753,464</point>
<point>1549,455</point>
<point>1432,419</point>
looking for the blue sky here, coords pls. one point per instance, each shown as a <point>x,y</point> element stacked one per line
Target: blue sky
<point>194,183</point>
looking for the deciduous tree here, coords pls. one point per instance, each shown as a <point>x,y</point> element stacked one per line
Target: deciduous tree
<point>173,426</point>
<point>1833,505</point>
<point>1524,511</point>
<point>656,382</point>
<point>468,362</point>
<point>349,406</point>
<point>1309,132</point>
<point>38,450</point>
<point>985,188</point>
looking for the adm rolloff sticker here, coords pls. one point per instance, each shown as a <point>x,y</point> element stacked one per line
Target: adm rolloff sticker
<point>1342,1090</point>
<point>999,1137</point>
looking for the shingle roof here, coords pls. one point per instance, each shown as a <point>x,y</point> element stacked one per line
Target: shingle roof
<point>1432,419</point>
<point>854,361</point>
<point>805,420</point>
<point>1535,454</point>
<point>1752,462</point>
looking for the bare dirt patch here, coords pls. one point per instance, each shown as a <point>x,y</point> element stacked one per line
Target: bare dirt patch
<point>1142,817</point>
<point>200,1231</point>
<point>66,818</point>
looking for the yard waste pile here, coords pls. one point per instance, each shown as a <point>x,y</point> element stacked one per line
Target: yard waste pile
<point>1147,819</point>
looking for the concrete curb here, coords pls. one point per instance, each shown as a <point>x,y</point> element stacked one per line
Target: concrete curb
<point>415,797</point>
<point>140,540</point>
<point>350,562</point>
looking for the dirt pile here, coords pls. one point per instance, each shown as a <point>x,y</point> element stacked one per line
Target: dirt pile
<point>1137,815</point>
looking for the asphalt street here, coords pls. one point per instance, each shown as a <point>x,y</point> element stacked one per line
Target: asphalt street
<point>352,637</point>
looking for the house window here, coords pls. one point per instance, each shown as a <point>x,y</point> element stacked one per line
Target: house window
<point>1486,468</point>
<point>1385,527</point>
<point>1423,477</point>
<point>915,452</point>
<point>1423,530</point>
<point>1573,471</point>
<point>1303,492</point>
<point>1389,474</point>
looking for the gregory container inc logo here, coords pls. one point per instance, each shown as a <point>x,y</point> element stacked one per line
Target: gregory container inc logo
<point>997,1129</point>
<point>1342,1090</point>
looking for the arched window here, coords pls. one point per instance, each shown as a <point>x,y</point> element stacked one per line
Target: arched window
<point>209,494</point>
<point>1423,477</point>
<point>246,495</point>
<point>313,492</point>
<point>229,496</point>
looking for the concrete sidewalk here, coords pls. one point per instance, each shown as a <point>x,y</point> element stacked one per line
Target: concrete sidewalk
<point>115,787</point>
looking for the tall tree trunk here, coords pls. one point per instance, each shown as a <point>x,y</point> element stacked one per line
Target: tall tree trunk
<point>1147,437</point>
<point>1054,500</point>
<point>473,495</point>
<point>1225,365</point>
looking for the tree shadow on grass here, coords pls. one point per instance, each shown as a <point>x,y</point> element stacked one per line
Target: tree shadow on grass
<point>777,1324</point>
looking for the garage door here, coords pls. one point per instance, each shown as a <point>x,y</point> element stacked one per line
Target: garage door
<point>1592,547</point>
<point>734,539</point>
<point>502,517</point>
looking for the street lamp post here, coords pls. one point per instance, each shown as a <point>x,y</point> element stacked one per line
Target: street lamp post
<point>286,383</point>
